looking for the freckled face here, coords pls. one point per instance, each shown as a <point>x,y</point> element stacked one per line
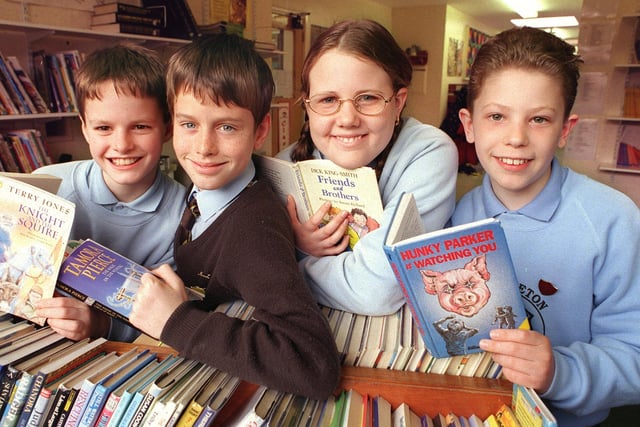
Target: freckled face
<point>348,138</point>
<point>516,125</point>
<point>212,142</point>
<point>125,134</point>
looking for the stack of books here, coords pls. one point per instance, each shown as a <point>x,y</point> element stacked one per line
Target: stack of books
<point>120,17</point>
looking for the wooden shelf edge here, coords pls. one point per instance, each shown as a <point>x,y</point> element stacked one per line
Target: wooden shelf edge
<point>37,116</point>
<point>619,169</point>
<point>622,119</point>
<point>424,392</point>
<point>47,30</point>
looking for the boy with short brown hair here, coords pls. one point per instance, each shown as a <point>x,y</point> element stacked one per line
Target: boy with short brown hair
<point>241,245</point>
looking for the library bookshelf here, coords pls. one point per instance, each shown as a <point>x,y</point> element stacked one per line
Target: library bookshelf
<point>424,393</point>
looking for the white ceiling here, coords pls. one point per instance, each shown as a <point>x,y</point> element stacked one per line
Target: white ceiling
<point>496,13</point>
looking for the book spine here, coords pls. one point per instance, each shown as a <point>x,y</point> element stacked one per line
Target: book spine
<point>8,161</point>
<point>69,88</point>
<point>394,260</point>
<point>173,416</point>
<point>93,406</point>
<point>190,415</point>
<point>154,414</point>
<point>142,410</point>
<point>11,415</point>
<point>15,147</point>
<point>41,146</point>
<point>9,379</point>
<point>206,417</point>
<point>57,84</point>
<point>32,397</point>
<point>63,408</point>
<point>119,410</point>
<point>28,151</point>
<point>21,89</point>
<point>39,408</point>
<point>12,88</point>
<point>107,410</point>
<point>5,99</point>
<point>303,193</point>
<point>135,10</point>
<point>37,100</point>
<point>28,148</point>
<point>41,79</point>
<point>80,404</point>
<point>132,409</point>
<point>123,18</point>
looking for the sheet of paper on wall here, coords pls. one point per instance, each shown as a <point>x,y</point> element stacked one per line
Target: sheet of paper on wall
<point>582,141</point>
<point>591,91</point>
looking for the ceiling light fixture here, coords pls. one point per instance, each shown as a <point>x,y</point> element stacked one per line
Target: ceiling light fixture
<point>524,8</point>
<point>547,22</point>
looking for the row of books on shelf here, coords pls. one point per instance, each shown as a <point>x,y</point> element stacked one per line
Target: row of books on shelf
<point>51,90</point>
<point>628,145</point>
<point>394,342</point>
<point>23,150</point>
<point>18,94</point>
<point>48,380</point>
<point>350,408</point>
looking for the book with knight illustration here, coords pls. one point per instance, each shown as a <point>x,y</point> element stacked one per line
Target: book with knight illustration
<point>102,278</point>
<point>459,282</point>
<point>34,229</point>
<point>316,181</point>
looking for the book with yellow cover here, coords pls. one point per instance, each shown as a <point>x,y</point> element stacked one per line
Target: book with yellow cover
<point>34,230</point>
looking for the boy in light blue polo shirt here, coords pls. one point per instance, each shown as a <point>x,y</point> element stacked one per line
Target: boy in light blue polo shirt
<point>574,242</point>
<point>122,199</point>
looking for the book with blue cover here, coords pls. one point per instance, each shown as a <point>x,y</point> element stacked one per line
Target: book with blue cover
<point>102,278</point>
<point>459,282</point>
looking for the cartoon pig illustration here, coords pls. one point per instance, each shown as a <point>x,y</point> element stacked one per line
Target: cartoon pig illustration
<point>462,291</point>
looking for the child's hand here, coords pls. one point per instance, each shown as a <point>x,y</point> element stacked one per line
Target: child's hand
<point>330,239</point>
<point>73,318</point>
<point>161,292</point>
<point>526,357</point>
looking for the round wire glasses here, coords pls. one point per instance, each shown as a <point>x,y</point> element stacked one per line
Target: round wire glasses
<point>369,104</point>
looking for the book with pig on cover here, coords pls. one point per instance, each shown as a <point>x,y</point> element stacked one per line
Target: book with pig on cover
<point>459,282</point>
<point>34,229</point>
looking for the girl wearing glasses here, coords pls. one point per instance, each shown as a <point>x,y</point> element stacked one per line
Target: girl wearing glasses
<point>355,82</point>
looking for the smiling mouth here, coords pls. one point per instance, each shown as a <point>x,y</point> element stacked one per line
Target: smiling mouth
<point>125,161</point>
<point>348,139</point>
<point>513,162</point>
